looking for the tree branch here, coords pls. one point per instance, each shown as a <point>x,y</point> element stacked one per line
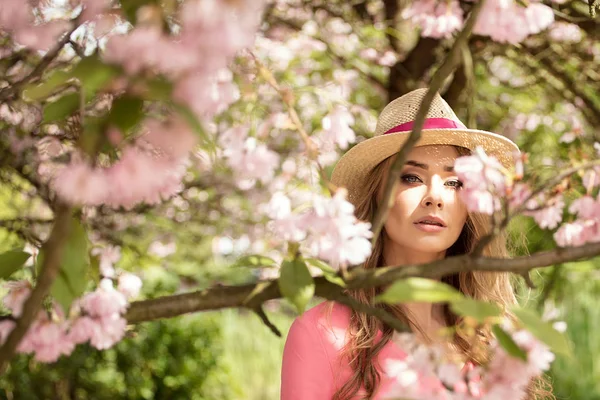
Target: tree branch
<point>219,297</point>
<point>53,250</point>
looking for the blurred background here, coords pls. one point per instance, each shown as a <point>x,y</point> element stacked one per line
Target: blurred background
<point>542,93</point>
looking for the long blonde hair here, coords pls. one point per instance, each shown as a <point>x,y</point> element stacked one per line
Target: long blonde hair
<point>362,347</point>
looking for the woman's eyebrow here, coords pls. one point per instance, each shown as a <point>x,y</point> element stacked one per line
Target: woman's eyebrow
<point>426,167</point>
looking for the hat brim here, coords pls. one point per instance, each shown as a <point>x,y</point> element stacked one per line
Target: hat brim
<point>353,168</point>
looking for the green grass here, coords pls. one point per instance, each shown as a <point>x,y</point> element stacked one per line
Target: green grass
<point>252,357</point>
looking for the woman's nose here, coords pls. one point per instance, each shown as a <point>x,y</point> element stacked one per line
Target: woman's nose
<point>434,195</point>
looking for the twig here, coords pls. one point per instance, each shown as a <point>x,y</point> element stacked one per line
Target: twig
<point>53,250</point>
<point>288,99</point>
<point>261,313</point>
<point>436,83</point>
<point>46,60</point>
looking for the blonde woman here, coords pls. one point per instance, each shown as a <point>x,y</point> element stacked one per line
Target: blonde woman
<point>333,352</point>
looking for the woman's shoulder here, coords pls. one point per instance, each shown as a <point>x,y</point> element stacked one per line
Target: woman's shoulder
<point>328,320</point>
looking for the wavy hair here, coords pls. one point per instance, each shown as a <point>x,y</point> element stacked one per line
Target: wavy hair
<point>362,347</point>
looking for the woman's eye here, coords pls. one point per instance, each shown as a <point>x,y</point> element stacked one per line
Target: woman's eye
<point>455,184</point>
<point>410,178</point>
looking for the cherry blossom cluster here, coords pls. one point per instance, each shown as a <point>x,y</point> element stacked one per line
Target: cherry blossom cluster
<point>149,171</point>
<point>486,182</point>
<point>425,372</point>
<point>99,319</point>
<point>505,21</point>
<point>326,227</point>
<point>194,56</point>
<point>96,317</point>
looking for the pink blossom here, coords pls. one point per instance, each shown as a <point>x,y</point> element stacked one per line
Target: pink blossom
<point>160,249</point>
<point>585,207</point>
<point>539,16</point>
<point>105,301</point>
<point>506,21</point>
<point>79,183</point>
<point>109,256</point>
<point>550,215</point>
<point>15,15</point>
<point>46,339</point>
<point>109,330</point>
<point>591,178</point>
<point>82,329</point>
<point>480,201</point>
<point>336,127</point>
<point>18,293</point>
<point>388,59</point>
<point>565,32</point>
<point>6,326</point>
<point>333,232</point>
<point>251,160</point>
<point>174,137</point>
<point>41,37</point>
<point>436,19</point>
<point>129,285</point>
<point>207,95</point>
<point>519,193</point>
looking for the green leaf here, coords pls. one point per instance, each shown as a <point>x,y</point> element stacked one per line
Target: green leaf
<point>543,330</point>
<point>126,112</point>
<point>296,283</point>
<point>72,276</point>
<point>11,261</point>
<point>328,272</point>
<point>46,88</point>
<point>254,261</point>
<point>94,74</point>
<point>61,108</point>
<point>478,309</point>
<point>507,342</point>
<point>419,290</point>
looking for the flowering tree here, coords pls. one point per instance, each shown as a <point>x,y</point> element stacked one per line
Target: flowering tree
<point>223,119</point>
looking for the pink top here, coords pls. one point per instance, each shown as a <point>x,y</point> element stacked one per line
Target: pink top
<point>312,368</point>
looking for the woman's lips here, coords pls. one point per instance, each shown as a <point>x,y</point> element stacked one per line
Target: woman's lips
<point>430,228</point>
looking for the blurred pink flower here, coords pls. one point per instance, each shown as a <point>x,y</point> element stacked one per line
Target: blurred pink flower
<point>105,301</point>
<point>130,285</point>
<point>565,32</point>
<point>18,293</point>
<point>436,19</point>
<point>6,326</point>
<point>506,21</point>
<point>82,329</point>
<point>336,127</point>
<point>550,215</point>
<point>109,330</point>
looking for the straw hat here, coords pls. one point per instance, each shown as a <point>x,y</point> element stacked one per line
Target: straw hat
<point>442,127</point>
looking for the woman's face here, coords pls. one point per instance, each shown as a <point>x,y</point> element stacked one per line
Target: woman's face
<point>428,190</point>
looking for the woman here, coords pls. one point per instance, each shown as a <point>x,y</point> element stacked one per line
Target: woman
<point>333,352</point>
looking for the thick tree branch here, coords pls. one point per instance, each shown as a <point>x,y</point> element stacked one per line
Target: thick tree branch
<point>53,250</point>
<point>219,297</point>
<point>436,83</point>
